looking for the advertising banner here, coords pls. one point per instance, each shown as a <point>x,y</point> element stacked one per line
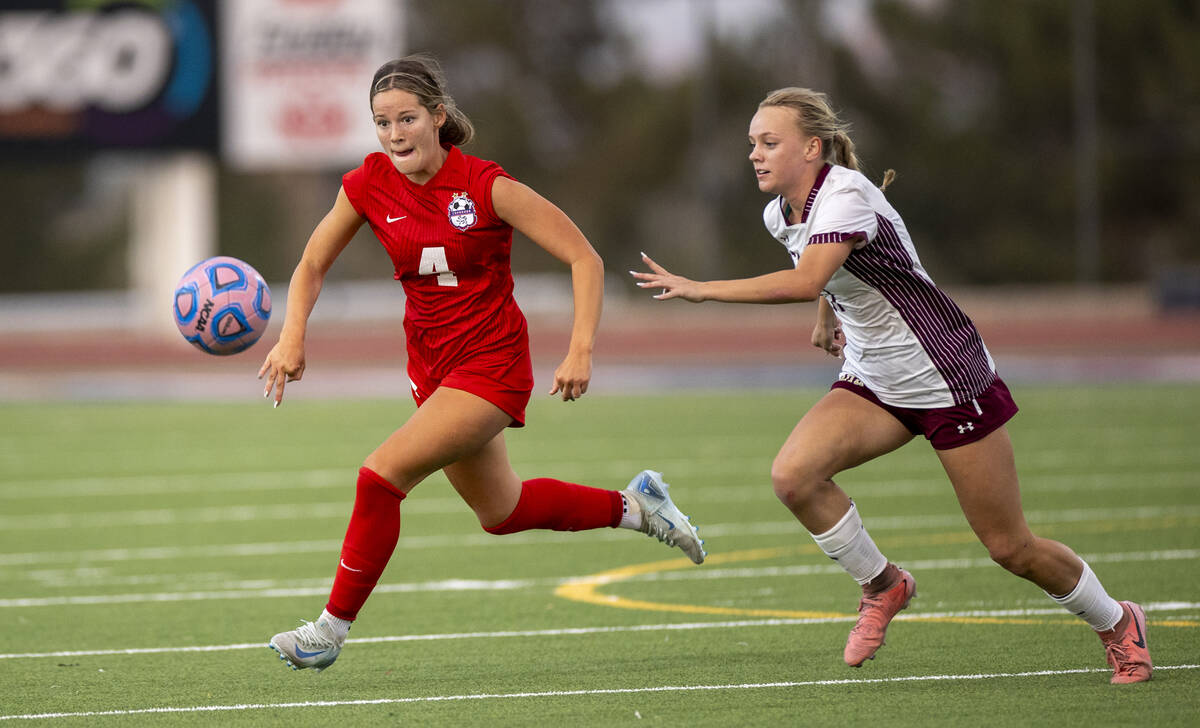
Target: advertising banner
<point>296,76</point>
<point>82,75</point>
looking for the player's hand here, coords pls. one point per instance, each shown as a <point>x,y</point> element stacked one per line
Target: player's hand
<point>572,376</point>
<point>284,363</point>
<point>829,337</point>
<point>672,286</point>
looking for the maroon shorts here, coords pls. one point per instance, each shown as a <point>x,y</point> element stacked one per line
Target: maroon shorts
<point>948,427</point>
<point>504,378</point>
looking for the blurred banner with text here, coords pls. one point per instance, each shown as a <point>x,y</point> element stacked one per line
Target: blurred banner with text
<point>295,78</point>
<point>82,75</point>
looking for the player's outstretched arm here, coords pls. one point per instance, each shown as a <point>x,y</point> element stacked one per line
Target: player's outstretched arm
<point>285,362</point>
<point>802,283</point>
<point>543,223</point>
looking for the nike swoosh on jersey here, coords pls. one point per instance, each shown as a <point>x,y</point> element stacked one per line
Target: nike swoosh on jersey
<point>394,219</point>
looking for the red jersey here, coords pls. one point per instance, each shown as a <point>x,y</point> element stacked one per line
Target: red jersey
<point>451,253</point>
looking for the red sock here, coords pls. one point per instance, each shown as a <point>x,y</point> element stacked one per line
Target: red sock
<point>558,506</point>
<point>370,540</point>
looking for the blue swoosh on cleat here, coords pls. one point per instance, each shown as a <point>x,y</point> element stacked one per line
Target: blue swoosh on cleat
<point>647,486</point>
<point>305,655</point>
<point>672,525</point>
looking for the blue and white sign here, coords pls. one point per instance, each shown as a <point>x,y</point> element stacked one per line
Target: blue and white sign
<point>90,74</point>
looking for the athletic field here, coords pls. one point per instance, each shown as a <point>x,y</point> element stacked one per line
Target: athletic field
<point>149,551</point>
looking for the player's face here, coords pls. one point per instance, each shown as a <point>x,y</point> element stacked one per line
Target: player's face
<point>779,150</point>
<point>409,134</point>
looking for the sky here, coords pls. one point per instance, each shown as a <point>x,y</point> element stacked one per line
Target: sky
<point>668,34</point>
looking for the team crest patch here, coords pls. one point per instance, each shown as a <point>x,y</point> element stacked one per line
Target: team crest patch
<point>462,211</point>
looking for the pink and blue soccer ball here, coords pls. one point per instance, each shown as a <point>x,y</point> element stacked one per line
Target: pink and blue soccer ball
<point>222,305</point>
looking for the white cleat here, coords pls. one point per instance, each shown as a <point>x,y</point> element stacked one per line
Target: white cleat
<point>660,518</point>
<point>311,645</point>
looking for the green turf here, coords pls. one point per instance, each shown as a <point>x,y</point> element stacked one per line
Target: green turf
<point>150,526</point>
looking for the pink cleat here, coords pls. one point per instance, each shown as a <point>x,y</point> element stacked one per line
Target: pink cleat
<point>874,615</point>
<point>1126,649</point>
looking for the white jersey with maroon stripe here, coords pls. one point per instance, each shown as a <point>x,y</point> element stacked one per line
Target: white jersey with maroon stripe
<point>905,339</point>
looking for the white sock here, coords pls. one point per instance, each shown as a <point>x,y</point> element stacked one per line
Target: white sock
<point>339,627</point>
<point>849,544</point>
<point>631,517</point>
<point>1089,601</point>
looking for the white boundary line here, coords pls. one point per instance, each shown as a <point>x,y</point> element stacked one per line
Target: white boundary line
<point>566,631</point>
<point>573,693</point>
<point>1151,607</point>
<point>342,479</point>
<point>259,589</point>
<point>340,510</point>
<point>476,538</point>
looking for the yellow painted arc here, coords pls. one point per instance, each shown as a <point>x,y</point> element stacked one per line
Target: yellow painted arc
<point>586,589</point>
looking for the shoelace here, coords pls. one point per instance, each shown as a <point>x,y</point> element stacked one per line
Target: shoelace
<point>654,526</point>
<point>1118,657</point>
<point>872,601</point>
<point>310,636</point>
<point>875,601</point>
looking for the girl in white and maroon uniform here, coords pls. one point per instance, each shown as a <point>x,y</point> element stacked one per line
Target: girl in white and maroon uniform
<point>914,365</point>
<point>905,339</point>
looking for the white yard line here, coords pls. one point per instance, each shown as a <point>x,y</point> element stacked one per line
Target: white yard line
<point>341,510</point>
<point>575,693</point>
<point>912,565</point>
<point>272,589</point>
<point>1153,608</point>
<point>945,520</point>
<point>527,537</point>
<point>126,485</point>
<point>448,585</point>
<point>746,475</point>
<point>153,553</point>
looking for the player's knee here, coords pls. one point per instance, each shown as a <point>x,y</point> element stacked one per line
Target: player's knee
<point>372,462</point>
<point>401,479</point>
<point>1015,555</point>
<point>794,486</point>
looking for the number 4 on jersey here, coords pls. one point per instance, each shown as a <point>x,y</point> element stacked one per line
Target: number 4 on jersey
<point>433,262</point>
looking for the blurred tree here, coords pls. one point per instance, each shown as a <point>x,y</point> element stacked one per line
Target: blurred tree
<point>1150,124</point>
<point>532,75</point>
<point>64,226</point>
<point>639,163</point>
<point>979,124</point>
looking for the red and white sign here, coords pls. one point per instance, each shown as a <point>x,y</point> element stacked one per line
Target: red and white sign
<point>296,76</point>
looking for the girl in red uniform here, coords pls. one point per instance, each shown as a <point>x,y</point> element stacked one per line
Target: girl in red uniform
<point>446,219</point>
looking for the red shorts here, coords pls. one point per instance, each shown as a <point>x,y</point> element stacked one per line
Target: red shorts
<point>504,378</point>
<point>948,427</point>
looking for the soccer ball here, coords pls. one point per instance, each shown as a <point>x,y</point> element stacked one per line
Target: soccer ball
<point>222,305</point>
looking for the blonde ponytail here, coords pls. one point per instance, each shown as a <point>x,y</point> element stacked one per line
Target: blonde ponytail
<point>843,149</point>
<point>888,177</point>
